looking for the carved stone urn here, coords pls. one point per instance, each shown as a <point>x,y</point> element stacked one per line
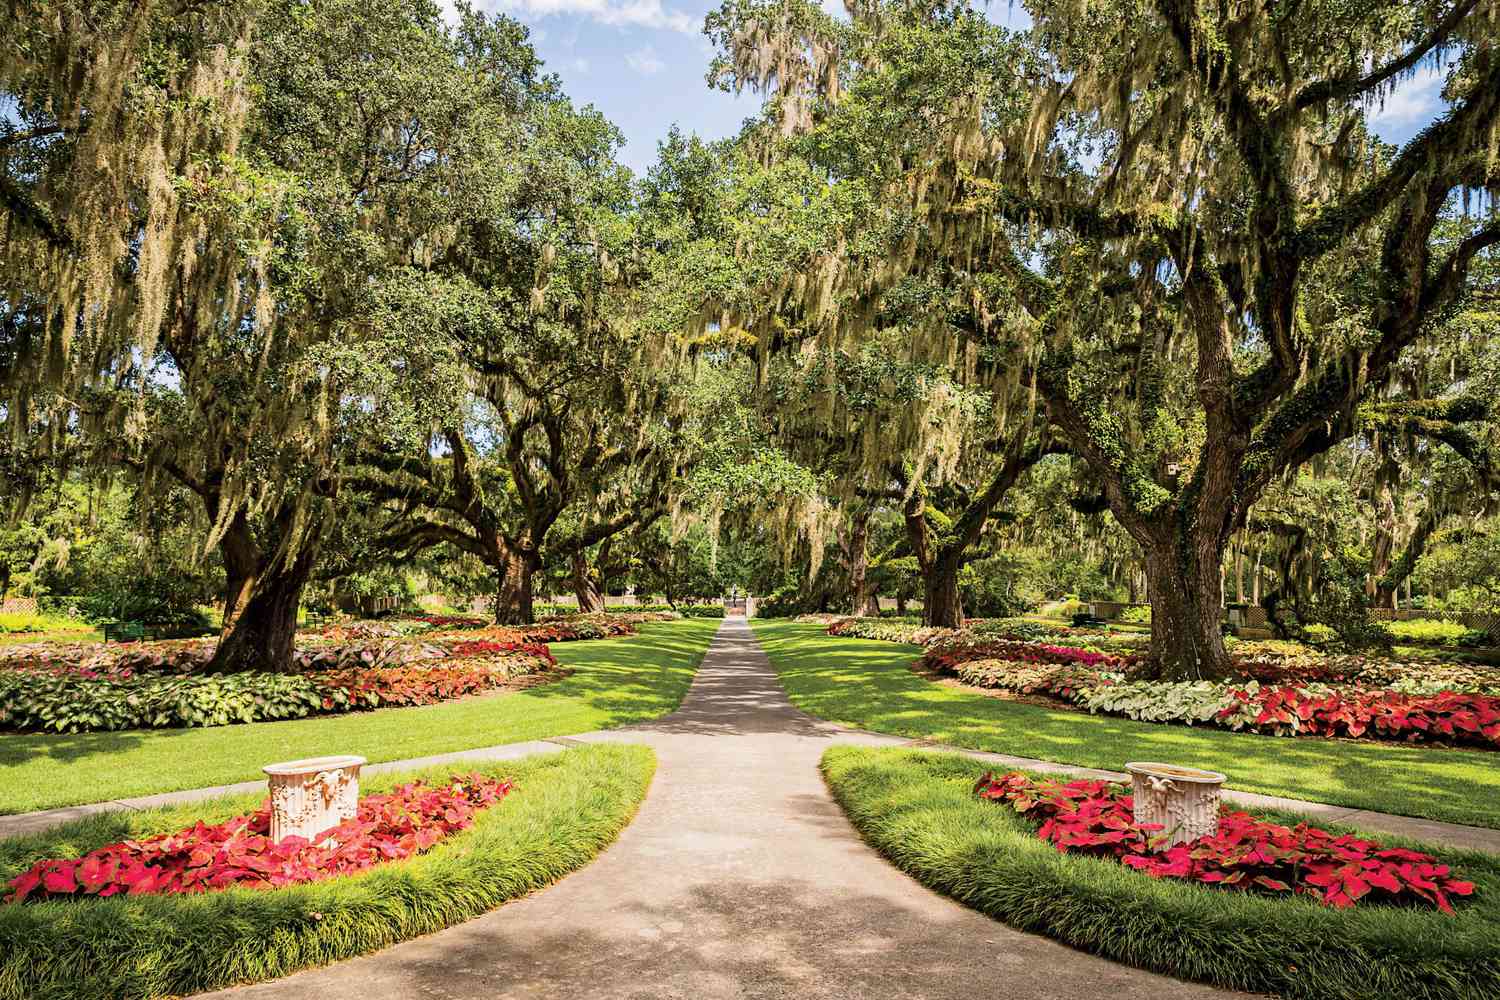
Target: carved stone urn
<point>311,796</point>
<point>1184,800</point>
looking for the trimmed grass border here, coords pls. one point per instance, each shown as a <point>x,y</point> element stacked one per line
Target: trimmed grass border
<point>866,684</point>
<point>615,682</point>
<point>919,810</point>
<point>566,808</point>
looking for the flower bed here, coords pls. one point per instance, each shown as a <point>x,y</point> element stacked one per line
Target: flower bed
<point>919,810</point>
<point>154,694</point>
<point>974,629</point>
<point>239,851</point>
<point>888,631</point>
<point>1281,710</point>
<point>570,806</point>
<point>962,647</point>
<point>1096,817</point>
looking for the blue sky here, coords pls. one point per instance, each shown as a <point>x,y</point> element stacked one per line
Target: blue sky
<point>642,63</point>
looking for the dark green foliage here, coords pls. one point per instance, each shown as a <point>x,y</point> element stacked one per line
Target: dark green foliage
<point>919,810</point>
<point>565,810</point>
<point>68,703</point>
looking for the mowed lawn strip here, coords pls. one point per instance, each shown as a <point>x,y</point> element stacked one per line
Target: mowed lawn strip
<point>867,684</point>
<point>615,682</point>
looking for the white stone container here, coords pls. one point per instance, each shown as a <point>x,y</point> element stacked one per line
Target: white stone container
<point>1184,800</point>
<point>311,796</point>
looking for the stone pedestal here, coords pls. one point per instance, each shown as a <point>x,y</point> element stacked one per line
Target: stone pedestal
<point>309,797</point>
<point>1184,800</point>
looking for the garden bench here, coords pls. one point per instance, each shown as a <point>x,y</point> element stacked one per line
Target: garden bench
<point>124,632</point>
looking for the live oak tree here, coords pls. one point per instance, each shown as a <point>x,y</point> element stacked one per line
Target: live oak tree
<point>1177,215</point>
<point>231,353</point>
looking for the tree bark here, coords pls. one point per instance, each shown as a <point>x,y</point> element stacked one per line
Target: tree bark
<point>1185,593</point>
<point>261,598</point>
<point>863,601</point>
<point>1399,570</point>
<point>242,563</point>
<point>513,597</point>
<point>942,605</point>
<point>263,632</point>
<point>1383,550</point>
<point>587,585</point>
<point>939,566</point>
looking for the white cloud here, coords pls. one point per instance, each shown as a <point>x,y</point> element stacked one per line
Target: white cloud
<point>580,65</point>
<point>1415,101</point>
<point>616,13</point>
<point>645,62</point>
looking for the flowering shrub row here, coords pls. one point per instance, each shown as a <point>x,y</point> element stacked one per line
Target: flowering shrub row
<point>240,852</point>
<point>67,702</point>
<point>888,630</point>
<point>1281,710</point>
<point>975,629</point>
<point>945,654</point>
<point>1247,853</point>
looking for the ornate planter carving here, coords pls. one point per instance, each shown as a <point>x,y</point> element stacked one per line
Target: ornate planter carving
<point>1184,800</point>
<point>309,797</point>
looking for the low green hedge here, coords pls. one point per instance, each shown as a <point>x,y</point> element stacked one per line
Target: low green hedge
<point>566,808</point>
<point>919,810</point>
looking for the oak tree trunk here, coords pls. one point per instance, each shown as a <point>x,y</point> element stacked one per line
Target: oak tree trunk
<point>513,597</point>
<point>863,601</point>
<point>942,606</point>
<point>587,585</point>
<point>260,604</point>
<point>1185,590</point>
<point>242,563</point>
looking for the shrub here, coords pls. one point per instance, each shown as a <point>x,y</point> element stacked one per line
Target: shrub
<point>240,852</point>
<point>1097,817</point>
<point>1139,615</point>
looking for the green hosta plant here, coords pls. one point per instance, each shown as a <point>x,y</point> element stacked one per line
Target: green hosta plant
<point>1158,701</point>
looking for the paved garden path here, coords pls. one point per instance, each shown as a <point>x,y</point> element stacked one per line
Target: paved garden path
<point>740,878</point>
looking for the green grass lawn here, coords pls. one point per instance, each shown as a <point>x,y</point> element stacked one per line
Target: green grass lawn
<point>565,809</point>
<point>616,682</point>
<point>919,810</point>
<point>83,633</point>
<point>866,684</point>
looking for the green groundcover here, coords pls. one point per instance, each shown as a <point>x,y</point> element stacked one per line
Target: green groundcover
<point>919,810</point>
<point>566,808</point>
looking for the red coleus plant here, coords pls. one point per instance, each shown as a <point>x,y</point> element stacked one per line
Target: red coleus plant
<point>1097,817</point>
<point>239,852</point>
<point>419,684</point>
<point>1448,715</point>
<point>490,647</point>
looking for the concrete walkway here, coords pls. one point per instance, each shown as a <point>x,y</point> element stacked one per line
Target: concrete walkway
<point>740,878</point>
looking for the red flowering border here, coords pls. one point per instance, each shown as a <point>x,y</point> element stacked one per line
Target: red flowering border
<point>239,852</point>
<point>1097,817</point>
